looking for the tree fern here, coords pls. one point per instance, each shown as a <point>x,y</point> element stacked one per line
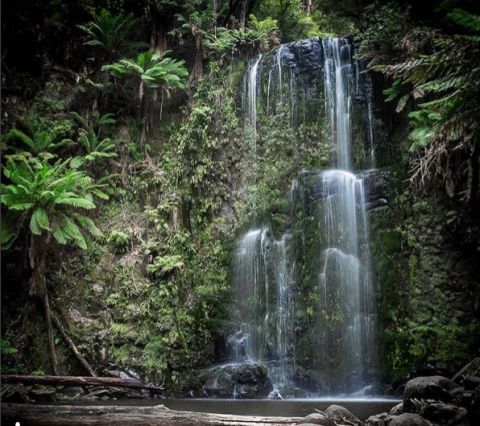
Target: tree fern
<point>48,197</point>
<point>446,86</point>
<point>154,70</point>
<point>110,33</point>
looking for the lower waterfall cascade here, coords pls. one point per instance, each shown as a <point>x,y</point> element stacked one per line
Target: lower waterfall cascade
<point>267,271</point>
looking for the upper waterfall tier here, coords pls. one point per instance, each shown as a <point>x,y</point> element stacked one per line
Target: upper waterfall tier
<point>314,81</point>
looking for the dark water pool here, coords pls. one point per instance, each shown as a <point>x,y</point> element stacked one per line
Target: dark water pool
<point>362,408</point>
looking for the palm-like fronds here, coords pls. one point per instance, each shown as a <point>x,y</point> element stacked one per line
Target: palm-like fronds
<point>109,32</point>
<point>446,122</point>
<point>153,69</point>
<point>96,147</point>
<point>38,142</point>
<point>49,197</point>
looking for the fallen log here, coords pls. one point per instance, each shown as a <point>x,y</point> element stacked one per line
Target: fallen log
<point>73,348</point>
<point>77,415</point>
<point>79,381</point>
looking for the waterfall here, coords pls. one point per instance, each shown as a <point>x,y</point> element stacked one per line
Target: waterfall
<point>250,286</point>
<point>252,89</point>
<point>327,235</point>
<point>345,284</point>
<point>339,80</point>
<point>284,309</point>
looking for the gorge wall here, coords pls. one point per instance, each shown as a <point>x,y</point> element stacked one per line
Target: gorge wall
<point>153,297</point>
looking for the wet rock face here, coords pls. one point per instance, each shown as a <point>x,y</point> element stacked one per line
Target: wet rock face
<point>243,381</point>
<point>303,54</point>
<point>374,181</point>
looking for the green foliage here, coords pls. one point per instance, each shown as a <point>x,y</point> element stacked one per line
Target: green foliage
<point>258,37</point>
<point>109,33</point>
<point>49,197</point>
<point>153,69</point>
<point>119,240</point>
<point>384,27</point>
<point>7,353</point>
<point>446,121</point>
<point>39,142</point>
<point>96,147</point>
<point>164,265</point>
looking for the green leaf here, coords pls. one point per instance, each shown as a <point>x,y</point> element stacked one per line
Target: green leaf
<point>60,235</point>
<point>89,225</point>
<point>77,202</point>
<point>41,218</point>
<point>73,231</point>
<point>402,103</point>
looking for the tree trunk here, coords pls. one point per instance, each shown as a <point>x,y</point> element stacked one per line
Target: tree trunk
<point>197,70</point>
<point>73,415</point>
<point>475,173</point>
<point>80,381</point>
<point>38,287</point>
<point>309,6</point>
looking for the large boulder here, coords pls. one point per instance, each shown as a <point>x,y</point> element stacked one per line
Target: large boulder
<point>339,413</point>
<point>247,380</point>
<point>433,387</point>
<point>409,419</point>
<point>445,414</point>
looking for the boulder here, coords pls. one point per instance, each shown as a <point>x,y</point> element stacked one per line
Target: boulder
<point>378,420</point>
<point>247,380</point>
<point>396,410</point>
<point>444,414</point>
<point>318,419</point>
<point>339,413</point>
<point>409,419</point>
<point>432,387</point>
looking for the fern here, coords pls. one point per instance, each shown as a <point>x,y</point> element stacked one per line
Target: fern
<point>154,70</point>
<point>110,33</point>
<point>49,197</point>
<point>446,84</point>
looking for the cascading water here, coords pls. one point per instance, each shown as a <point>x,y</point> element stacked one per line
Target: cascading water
<point>283,274</point>
<point>252,87</point>
<point>250,287</point>
<point>267,285</point>
<point>347,308</point>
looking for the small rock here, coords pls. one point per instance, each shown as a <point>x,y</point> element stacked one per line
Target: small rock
<point>409,419</point>
<point>397,409</point>
<point>72,392</point>
<point>378,420</point>
<point>318,419</point>
<point>338,413</point>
